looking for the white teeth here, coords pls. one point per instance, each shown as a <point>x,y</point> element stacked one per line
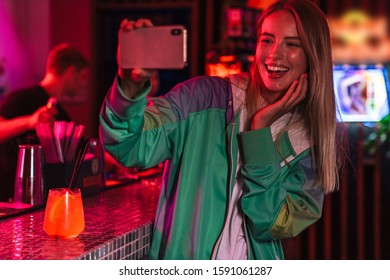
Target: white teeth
<point>277,68</point>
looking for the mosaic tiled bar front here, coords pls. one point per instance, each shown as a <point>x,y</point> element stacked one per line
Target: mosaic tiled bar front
<point>118,225</point>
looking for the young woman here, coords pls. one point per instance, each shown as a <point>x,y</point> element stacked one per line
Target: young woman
<point>249,156</point>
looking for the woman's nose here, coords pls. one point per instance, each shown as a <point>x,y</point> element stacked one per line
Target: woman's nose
<point>276,52</point>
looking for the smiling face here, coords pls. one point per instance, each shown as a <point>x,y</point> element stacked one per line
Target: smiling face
<point>279,55</point>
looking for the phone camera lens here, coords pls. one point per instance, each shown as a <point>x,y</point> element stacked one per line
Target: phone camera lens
<point>176,31</point>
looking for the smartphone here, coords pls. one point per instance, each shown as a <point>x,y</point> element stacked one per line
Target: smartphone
<point>156,47</point>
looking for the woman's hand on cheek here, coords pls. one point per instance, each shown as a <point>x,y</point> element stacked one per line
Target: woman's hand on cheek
<point>294,95</point>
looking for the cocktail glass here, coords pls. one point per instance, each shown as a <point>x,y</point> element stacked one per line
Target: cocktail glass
<point>64,213</point>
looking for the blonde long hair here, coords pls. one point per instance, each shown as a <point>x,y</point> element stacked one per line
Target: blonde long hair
<point>318,111</point>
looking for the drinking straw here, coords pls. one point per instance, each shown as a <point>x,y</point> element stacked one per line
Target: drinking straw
<point>68,136</point>
<point>58,133</point>
<point>46,139</point>
<point>62,134</point>
<point>78,164</point>
<point>77,134</point>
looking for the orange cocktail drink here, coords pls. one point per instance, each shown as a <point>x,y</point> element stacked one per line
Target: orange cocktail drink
<point>64,214</point>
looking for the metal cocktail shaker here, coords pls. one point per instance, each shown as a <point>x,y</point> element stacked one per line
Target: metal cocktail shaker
<point>29,186</point>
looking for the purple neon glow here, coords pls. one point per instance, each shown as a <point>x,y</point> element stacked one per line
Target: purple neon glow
<point>13,54</point>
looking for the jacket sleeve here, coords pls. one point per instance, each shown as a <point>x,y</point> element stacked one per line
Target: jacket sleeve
<point>132,134</point>
<point>279,199</point>
<point>142,133</point>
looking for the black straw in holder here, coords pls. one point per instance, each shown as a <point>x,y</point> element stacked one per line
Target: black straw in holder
<point>78,164</point>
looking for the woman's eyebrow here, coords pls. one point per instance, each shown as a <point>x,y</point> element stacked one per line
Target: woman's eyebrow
<point>288,37</point>
<point>267,34</point>
<point>293,38</point>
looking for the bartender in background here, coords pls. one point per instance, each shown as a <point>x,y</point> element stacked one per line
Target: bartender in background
<point>66,74</point>
<point>16,126</point>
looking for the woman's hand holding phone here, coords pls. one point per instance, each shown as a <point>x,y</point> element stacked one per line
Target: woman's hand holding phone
<point>132,81</point>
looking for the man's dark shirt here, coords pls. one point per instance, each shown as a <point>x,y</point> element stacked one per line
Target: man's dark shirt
<point>19,103</point>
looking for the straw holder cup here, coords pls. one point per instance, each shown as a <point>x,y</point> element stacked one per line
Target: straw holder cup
<point>91,177</point>
<point>29,182</point>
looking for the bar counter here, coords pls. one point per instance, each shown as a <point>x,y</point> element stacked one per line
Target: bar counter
<point>118,225</point>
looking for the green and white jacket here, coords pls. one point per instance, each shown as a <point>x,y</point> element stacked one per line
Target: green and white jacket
<point>197,128</point>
